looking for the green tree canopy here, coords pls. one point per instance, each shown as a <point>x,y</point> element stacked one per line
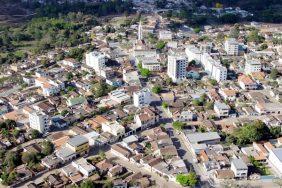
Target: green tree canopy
<point>189,179</point>
<point>157,89</point>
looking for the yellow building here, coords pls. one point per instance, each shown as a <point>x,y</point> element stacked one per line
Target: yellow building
<point>78,144</point>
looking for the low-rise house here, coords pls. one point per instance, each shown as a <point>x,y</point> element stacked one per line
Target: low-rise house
<point>84,167</point>
<point>246,83</point>
<point>121,151</point>
<point>221,109</point>
<point>51,161</point>
<point>268,108</point>
<point>115,171</point>
<point>146,118</point>
<point>239,168</point>
<point>104,166</point>
<point>228,94</point>
<point>114,128</point>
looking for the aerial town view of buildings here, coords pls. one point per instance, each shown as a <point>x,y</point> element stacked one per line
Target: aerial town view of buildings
<point>140,93</point>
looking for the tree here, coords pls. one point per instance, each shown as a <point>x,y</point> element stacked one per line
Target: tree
<point>30,158</point>
<point>69,76</point>
<point>168,81</point>
<point>178,125</point>
<point>189,179</point>
<point>160,45</point>
<point>145,72</point>
<point>255,37</point>
<point>16,133</point>
<point>275,131</point>
<point>273,74</point>
<point>213,82</point>
<point>34,134</point>
<point>47,147</point>
<point>87,184</point>
<point>252,132</point>
<point>197,30</point>
<point>264,46</point>
<point>165,105</point>
<point>157,89</point>
<point>11,160</point>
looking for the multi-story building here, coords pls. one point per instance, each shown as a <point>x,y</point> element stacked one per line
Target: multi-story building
<point>49,87</point>
<point>275,159</point>
<point>247,83</point>
<point>213,67</point>
<point>231,46</point>
<point>79,144</point>
<point>177,65</point>
<point>39,121</point>
<point>221,109</point>
<point>252,66</point>
<point>84,167</point>
<point>219,73</point>
<point>142,97</point>
<point>165,35</point>
<point>114,128</point>
<point>96,60</point>
<point>193,53</point>
<point>239,168</point>
<point>150,63</point>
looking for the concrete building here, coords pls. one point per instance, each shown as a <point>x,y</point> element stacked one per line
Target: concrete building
<point>239,168</point>
<point>165,35</point>
<point>231,46</point>
<point>275,159</point>
<point>114,128</point>
<point>221,109</point>
<point>246,83</point>
<point>84,167</point>
<point>142,97</point>
<point>193,53</point>
<point>39,121</point>
<point>79,144</point>
<point>252,66</point>
<point>176,68</point>
<point>219,73</point>
<point>96,61</point>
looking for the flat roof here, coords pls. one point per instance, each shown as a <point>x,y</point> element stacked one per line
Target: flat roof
<point>278,153</point>
<point>239,164</point>
<point>201,137</point>
<point>77,140</point>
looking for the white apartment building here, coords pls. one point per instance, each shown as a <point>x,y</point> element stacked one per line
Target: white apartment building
<point>96,60</point>
<point>231,46</point>
<point>165,35</point>
<point>193,53</point>
<point>239,168</point>
<point>114,128</point>
<point>219,73</point>
<point>252,66</point>
<point>176,67</point>
<point>39,121</point>
<point>142,97</point>
<point>213,67</point>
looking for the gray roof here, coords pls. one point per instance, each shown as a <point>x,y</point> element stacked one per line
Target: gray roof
<point>239,164</point>
<point>65,152</point>
<point>77,140</point>
<point>201,137</point>
<point>278,153</point>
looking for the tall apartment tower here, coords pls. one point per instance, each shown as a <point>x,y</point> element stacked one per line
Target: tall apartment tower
<point>96,60</point>
<point>39,121</point>
<point>176,67</point>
